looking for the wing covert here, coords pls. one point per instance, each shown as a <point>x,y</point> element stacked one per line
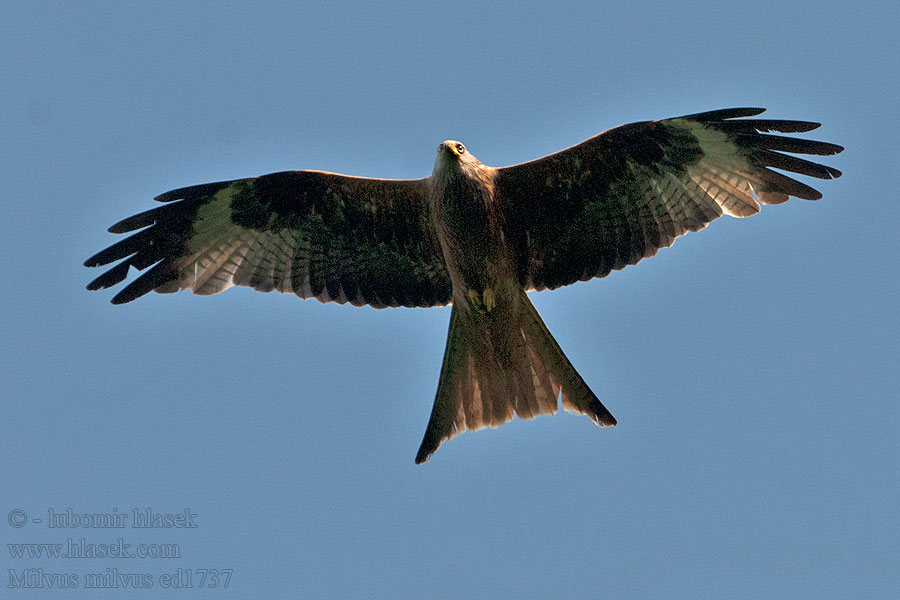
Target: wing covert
<point>315,234</point>
<point>622,195</point>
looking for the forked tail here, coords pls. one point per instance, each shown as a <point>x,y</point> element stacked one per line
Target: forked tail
<point>502,363</point>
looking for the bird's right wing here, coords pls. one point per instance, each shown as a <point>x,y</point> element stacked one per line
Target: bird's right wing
<point>315,234</point>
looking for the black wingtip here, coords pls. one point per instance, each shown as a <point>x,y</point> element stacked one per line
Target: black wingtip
<point>194,191</point>
<point>170,196</point>
<point>128,294</point>
<point>119,227</point>
<point>776,125</point>
<point>95,260</point>
<point>725,113</point>
<point>111,277</point>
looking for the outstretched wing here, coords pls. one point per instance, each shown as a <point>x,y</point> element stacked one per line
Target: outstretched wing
<point>315,234</point>
<point>622,195</point>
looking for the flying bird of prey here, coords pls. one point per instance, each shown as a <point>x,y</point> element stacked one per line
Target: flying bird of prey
<point>475,236</point>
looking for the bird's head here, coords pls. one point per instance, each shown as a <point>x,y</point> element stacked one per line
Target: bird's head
<point>452,157</point>
<point>452,150</point>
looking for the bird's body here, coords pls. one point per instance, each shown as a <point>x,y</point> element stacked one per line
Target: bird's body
<point>475,236</point>
<point>468,224</point>
<point>500,360</point>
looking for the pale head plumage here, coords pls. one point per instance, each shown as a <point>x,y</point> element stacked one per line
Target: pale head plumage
<point>452,156</point>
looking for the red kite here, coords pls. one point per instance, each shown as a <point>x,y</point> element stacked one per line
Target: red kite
<point>475,236</point>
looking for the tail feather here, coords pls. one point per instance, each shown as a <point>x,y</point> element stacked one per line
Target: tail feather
<point>576,396</point>
<point>501,364</point>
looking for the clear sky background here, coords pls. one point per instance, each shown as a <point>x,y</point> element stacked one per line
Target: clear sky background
<point>753,367</point>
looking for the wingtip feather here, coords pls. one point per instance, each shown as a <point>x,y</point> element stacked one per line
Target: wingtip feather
<point>725,113</point>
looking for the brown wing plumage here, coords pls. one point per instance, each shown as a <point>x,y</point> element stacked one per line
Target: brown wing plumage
<point>315,234</point>
<point>622,195</point>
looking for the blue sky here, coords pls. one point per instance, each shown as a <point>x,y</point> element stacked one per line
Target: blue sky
<point>753,367</point>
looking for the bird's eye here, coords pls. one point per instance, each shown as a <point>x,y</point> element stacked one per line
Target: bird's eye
<point>460,148</point>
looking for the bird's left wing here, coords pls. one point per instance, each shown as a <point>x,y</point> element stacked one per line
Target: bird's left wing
<point>618,197</point>
<point>315,234</point>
